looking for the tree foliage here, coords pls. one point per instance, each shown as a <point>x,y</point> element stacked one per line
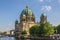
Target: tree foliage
<point>24,32</point>
<point>58,29</point>
<point>34,30</point>
<point>46,29</point>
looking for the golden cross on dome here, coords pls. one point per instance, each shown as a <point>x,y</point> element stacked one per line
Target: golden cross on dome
<point>26,5</point>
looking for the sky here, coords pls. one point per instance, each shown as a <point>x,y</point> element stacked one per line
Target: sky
<point>10,11</point>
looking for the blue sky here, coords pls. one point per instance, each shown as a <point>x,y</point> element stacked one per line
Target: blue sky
<point>10,11</point>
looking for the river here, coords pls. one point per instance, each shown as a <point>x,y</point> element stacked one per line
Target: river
<point>7,38</point>
<point>11,38</point>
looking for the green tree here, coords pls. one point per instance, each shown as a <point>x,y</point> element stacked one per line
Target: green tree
<point>34,30</point>
<point>58,29</point>
<point>55,28</point>
<point>24,32</point>
<point>46,29</point>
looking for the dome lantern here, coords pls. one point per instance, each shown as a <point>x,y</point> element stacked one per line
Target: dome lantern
<point>26,6</point>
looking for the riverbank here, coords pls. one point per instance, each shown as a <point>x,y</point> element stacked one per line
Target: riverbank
<point>51,37</point>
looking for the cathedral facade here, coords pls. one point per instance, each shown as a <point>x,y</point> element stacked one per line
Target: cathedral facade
<point>27,20</point>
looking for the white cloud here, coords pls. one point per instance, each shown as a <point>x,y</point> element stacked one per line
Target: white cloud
<point>49,0</point>
<point>41,0</point>
<point>46,8</point>
<point>46,0</point>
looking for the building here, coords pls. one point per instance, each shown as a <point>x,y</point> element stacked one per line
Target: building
<point>43,18</point>
<point>27,20</point>
<point>12,32</point>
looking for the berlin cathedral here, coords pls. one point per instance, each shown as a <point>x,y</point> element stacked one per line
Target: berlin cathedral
<point>27,20</point>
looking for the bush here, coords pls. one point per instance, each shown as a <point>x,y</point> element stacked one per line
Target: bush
<point>24,32</point>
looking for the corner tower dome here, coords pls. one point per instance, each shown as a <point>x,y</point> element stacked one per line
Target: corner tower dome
<point>43,18</point>
<point>27,14</point>
<point>43,14</point>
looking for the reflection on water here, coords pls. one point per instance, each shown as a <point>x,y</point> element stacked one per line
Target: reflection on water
<point>7,38</point>
<point>12,38</point>
<point>27,39</point>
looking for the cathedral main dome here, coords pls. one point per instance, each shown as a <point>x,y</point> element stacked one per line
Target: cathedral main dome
<point>27,15</point>
<point>27,11</point>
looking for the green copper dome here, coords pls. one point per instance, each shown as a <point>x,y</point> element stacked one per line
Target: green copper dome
<point>26,11</point>
<point>43,14</point>
<point>27,15</point>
